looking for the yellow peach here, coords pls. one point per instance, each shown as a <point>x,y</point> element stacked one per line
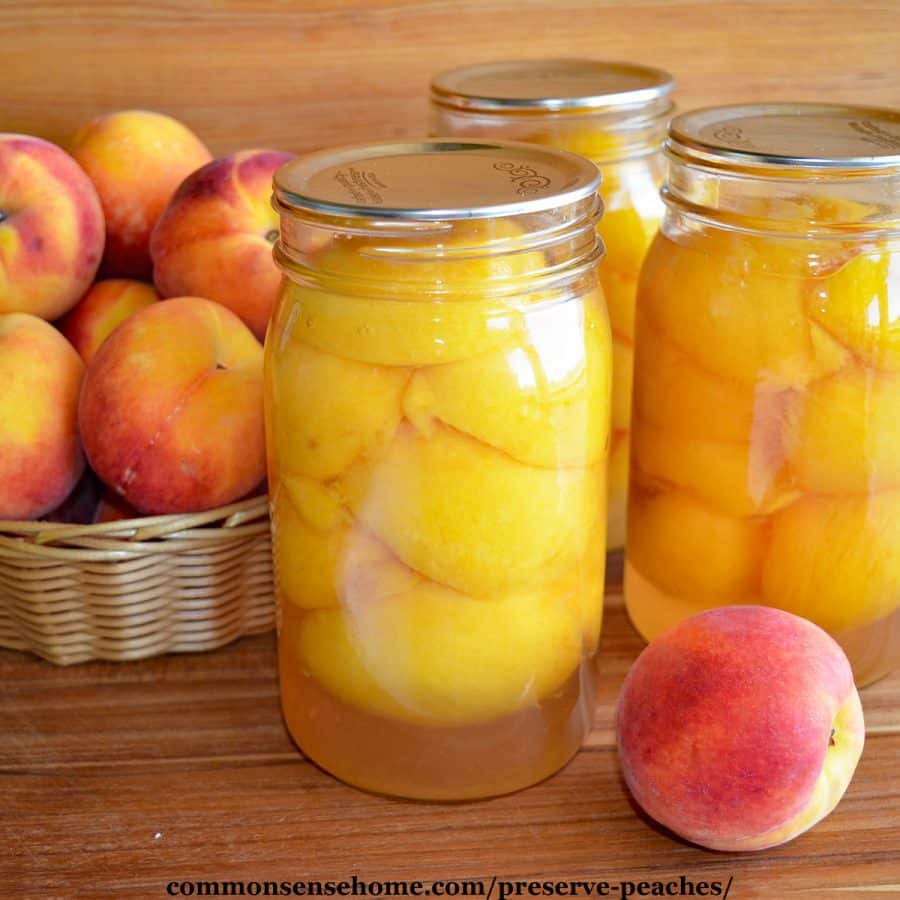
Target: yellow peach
<point>736,306</point>
<point>620,292</point>
<point>622,387</point>
<point>836,560</point>
<point>102,309</point>
<point>686,548</point>
<point>307,543</point>
<point>545,403</point>
<point>860,305</point>
<point>330,411</point>
<point>672,391</point>
<point>843,433</point>
<point>453,316</point>
<point>40,455</point>
<point>136,160</point>
<point>617,489</point>
<point>471,517</point>
<point>405,647</point>
<point>735,478</point>
<point>626,237</point>
<point>51,228</point>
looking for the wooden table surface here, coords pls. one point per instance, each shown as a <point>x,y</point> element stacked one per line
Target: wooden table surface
<point>118,779</point>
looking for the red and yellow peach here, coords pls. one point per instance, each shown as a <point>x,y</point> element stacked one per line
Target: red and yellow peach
<point>740,728</point>
<point>171,410</point>
<point>215,237</point>
<point>136,159</point>
<point>40,455</point>
<point>51,228</point>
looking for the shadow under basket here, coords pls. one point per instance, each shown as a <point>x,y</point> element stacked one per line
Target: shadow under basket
<point>136,588</point>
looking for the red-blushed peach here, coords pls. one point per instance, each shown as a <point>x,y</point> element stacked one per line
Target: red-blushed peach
<point>104,307</point>
<point>51,228</point>
<point>171,412</point>
<point>136,160</point>
<point>40,456</point>
<point>740,728</point>
<point>215,237</point>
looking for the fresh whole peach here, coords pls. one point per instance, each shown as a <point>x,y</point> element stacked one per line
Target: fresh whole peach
<point>40,456</point>
<point>215,237</point>
<point>171,412</point>
<point>136,160</point>
<point>105,306</point>
<point>740,727</point>
<point>51,228</point>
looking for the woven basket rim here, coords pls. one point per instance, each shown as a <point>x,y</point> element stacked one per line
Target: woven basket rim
<point>227,521</point>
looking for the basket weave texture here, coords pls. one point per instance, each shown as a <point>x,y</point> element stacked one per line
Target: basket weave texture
<point>138,587</point>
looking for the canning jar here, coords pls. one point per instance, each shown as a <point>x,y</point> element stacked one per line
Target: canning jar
<point>766,435</point>
<point>615,114</point>
<point>438,377</point>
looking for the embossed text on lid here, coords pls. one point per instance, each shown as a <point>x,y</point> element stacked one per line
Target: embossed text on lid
<point>790,134</point>
<point>436,179</point>
<point>550,84</point>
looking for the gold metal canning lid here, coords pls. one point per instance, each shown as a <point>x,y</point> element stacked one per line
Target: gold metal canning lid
<point>550,85</point>
<point>435,180</point>
<point>788,135</point>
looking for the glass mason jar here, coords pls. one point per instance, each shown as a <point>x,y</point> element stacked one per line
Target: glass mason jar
<point>766,432</point>
<point>438,379</point>
<point>615,114</point>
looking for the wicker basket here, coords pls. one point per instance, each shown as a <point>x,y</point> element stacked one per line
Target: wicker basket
<point>136,588</point>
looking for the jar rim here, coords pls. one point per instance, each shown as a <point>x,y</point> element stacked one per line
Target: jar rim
<point>434,180</point>
<point>785,137</point>
<point>550,85</point>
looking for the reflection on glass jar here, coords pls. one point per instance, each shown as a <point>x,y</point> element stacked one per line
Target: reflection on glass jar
<point>766,435</point>
<point>615,115</point>
<point>438,389</point>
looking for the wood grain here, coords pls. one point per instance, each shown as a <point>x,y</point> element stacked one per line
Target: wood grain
<point>299,75</point>
<point>116,779</point>
<point>119,778</point>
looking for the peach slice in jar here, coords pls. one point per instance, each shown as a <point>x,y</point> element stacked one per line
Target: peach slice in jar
<point>736,305</point>
<point>546,405</point>
<point>469,516</point>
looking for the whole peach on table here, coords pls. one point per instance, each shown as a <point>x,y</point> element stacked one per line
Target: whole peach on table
<point>40,456</point>
<point>215,237</point>
<point>171,413</point>
<point>740,728</point>
<point>105,306</point>
<point>51,228</point>
<point>136,160</point>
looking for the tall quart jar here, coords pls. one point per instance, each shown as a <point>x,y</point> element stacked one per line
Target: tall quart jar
<point>615,114</point>
<point>438,379</point>
<point>766,435</point>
